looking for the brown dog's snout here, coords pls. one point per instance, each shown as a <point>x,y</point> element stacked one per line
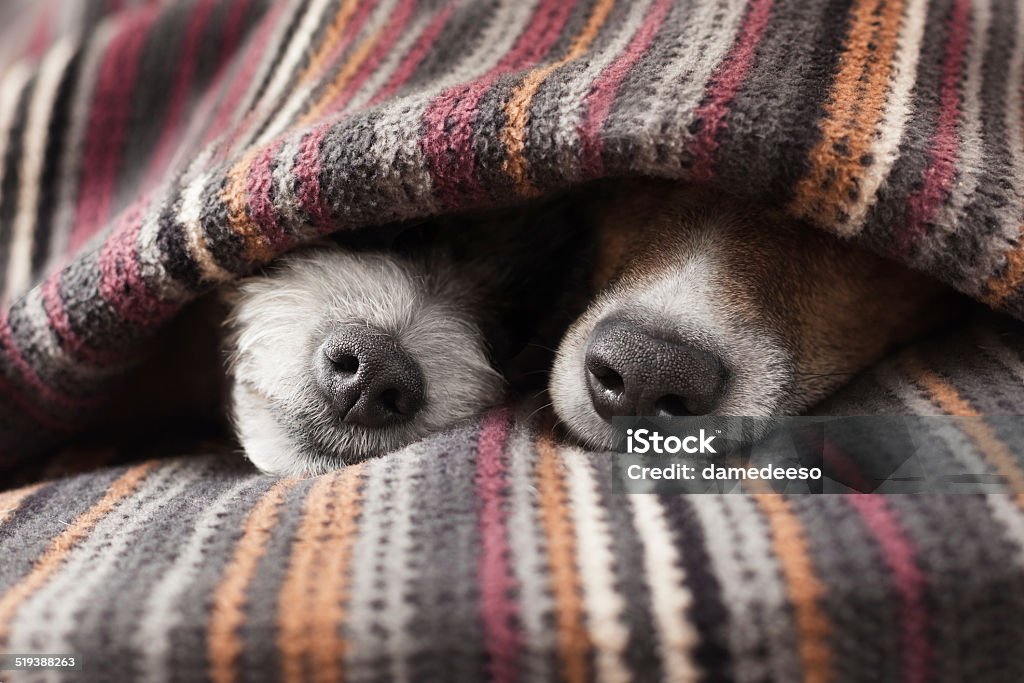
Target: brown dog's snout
<point>631,370</point>
<point>368,377</point>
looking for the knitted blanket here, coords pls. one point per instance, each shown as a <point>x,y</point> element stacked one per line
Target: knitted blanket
<point>490,553</point>
<point>153,151</point>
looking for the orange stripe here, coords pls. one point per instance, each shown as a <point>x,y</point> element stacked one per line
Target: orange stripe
<point>61,546</point>
<point>237,203</point>
<point>345,74</point>
<point>311,604</point>
<point>332,36</point>
<point>804,589</point>
<point>853,113</point>
<point>573,641</point>
<point>943,394</point>
<point>517,110</point>
<point>10,501</point>
<point>1001,287</point>
<point>229,600</point>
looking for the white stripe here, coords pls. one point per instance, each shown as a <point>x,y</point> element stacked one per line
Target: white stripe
<point>159,617</point>
<point>246,105</point>
<point>529,562</point>
<point>670,596</point>
<point>188,216</point>
<point>11,89</point>
<point>285,74</point>
<point>744,561</point>
<point>49,618</point>
<point>51,71</point>
<point>894,117</point>
<point>398,147</point>
<point>297,100</point>
<point>604,605</point>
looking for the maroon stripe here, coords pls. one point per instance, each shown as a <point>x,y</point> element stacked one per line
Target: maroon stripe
<point>499,611</point>
<point>599,102</point>
<point>105,138</point>
<point>31,378</point>
<point>29,407</point>
<point>938,177</point>
<point>724,85</point>
<point>189,53</point>
<point>242,80</point>
<point>448,120</point>
<point>60,323</point>
<point>385,43</point>
<point>307,171</point>
<point>415,56</point>
<point>259,185</point>
<point>121,282</point>
<point>908,579</point>
<point>42,34</point>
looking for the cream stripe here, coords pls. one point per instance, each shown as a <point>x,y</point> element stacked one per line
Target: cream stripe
<point>48,620</point>
<point>159,617</point>
<point>670,596</point>
<point>744,561</point>
<point>528,558</point>
<point>51,71</point>
<point>361,631</point>
<point>245,116</point>
<point>11,91</point>
<point>894,117</point>
<point>960,445</point>
<point>604,605</point>
<point>188,215</point>
<point>74,146</point>
<point>285,76</point>
<point>400,121</point>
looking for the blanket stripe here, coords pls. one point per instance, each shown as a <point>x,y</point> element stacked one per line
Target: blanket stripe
<point>152,152</point>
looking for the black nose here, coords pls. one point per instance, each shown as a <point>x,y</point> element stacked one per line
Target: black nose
<point>633,371</point>
<point>368,377</point>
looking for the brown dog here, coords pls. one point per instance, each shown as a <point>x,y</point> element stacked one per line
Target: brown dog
<point>703,306</point>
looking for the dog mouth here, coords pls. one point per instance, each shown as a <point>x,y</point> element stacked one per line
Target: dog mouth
<point>624,361</point>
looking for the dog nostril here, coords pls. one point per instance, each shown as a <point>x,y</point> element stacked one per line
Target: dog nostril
<point>389,399</point>
<point>346,363</point>
<point>608,378</point>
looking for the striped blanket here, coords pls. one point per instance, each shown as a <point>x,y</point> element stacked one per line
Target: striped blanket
<point>490,553</point>
<point>152,151</point>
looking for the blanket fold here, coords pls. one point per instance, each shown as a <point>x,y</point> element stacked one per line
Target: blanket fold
<point>151,154</point>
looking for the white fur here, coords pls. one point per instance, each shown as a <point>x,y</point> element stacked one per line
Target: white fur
<point>279,320</point>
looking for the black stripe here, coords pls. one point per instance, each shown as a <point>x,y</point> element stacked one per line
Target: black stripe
<point>707,611</point>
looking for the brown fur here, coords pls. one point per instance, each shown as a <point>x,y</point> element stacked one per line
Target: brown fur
<point>838,306</point>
